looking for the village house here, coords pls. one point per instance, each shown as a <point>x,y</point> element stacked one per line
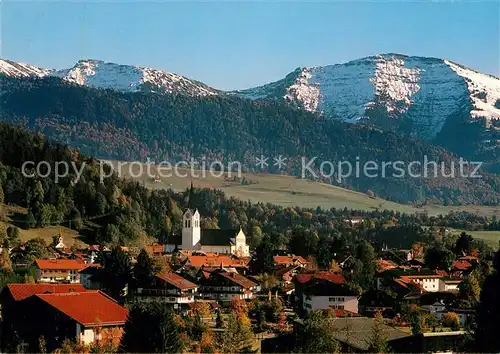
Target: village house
<point>324,290</point>
<point>427,280</point>
<point>450,284</point>
<point>353,333</point>
<point>461,268</point>
<point>211,260</point>
<point>169,288</point>
<point>354,220</point>
<point>155,249</point>
<point>286,273</point>
<point>193,237</point>
<point>87,317</point>
<point>58,270</point>
<point>223,285</point>
<point>59,311</point>
<point>289,260</point>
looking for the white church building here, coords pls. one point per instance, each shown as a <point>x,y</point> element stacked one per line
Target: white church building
<point>208,240</point>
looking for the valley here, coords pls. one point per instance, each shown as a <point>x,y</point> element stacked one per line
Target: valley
<point>289,191</point>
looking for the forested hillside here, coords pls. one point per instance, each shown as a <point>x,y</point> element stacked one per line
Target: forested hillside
<point>126,213</point>
<point>130,126</point>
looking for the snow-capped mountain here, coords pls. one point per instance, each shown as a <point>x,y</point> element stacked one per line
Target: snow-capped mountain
<point>13,69</point>
<point>411,95</point>
<point>100,74</point>
<point>422,92</point>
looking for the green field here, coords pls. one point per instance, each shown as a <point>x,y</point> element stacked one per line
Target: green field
<point>286,191</point>
<point>492,237</point>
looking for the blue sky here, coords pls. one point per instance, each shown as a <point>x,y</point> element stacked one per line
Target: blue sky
<point>232,45</point>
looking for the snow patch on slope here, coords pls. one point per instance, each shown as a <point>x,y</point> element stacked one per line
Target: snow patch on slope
<point>129,78</point>
<point>14,69</point>
<point>484,91</point>
<point>304,90</point>
<point>396,82</point>
<point>337,90</point>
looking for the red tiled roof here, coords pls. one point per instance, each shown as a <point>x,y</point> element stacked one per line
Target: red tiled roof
<point>211,261</point>
<point>155,248</point>
<point>334,278</point>
<point>441,273</point>
<point>22,291</point>
<point>461,265</point>
<point>90,308</point>
<point>289,259</point>
<point>285,269</point>
<point>385,264</point>
<point>238,279</point>
<point>472,258</point>
<point>402,282</point>
<point>177,281</point>
<point>60,264</point>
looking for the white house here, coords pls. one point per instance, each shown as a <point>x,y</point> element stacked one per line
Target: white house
<point>448,284</point>
<point>321,302</point>
<point>208,240</point>
<point>428,280</point>
<point>58,270</point>
<point>321,294</point>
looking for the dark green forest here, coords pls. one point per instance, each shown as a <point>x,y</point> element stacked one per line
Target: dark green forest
<point>122,211</point>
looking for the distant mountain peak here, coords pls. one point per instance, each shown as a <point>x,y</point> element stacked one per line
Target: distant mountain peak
<point>15,69</point>
<point>106,75</point>
<point>422,91</point>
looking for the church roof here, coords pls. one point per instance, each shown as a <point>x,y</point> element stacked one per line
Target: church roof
<point>174,239</point>
<point>217,237</point>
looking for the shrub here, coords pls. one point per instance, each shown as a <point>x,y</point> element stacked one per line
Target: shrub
<point>451,320</point>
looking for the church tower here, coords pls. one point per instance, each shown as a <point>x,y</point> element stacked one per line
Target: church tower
<point>191,230</point>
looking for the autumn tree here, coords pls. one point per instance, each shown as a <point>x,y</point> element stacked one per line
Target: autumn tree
<point>417,250</point>
<point>451,319</point>
<point>5,262</point>
<point>334,267</point>
<point>207,342</point>
<point>469,291</point>
<point>238,335</point>
<point>272,308</point>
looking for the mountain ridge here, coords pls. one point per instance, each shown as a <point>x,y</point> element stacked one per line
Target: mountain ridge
<point>169,127</point>
<point>106,75</point>
<point>393,82</point>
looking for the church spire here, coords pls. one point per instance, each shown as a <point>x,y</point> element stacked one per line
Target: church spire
<point>190,196</point>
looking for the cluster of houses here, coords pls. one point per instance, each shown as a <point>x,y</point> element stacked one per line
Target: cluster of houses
<point>408,281</point>
<point>69,299</point>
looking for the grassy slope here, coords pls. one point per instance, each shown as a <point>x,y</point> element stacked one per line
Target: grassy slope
<point>69,236</point>
<point>289,191</point>
<point>491,237</point>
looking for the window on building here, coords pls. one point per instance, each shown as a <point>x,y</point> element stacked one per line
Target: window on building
<point>332,299</point>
